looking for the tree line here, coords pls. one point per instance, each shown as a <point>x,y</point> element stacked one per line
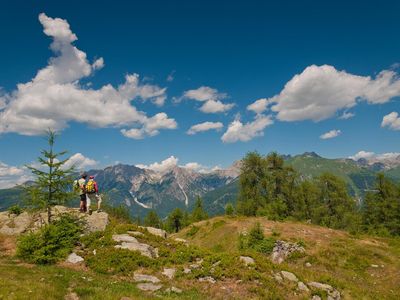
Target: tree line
<point>269,187</point>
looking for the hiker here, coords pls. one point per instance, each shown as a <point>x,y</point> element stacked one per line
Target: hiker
<point>80,187</point>
<point>92,193</point>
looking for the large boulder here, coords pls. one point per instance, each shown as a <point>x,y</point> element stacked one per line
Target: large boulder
<point>283,249</point>
<point>11,224</point>
<point>131,243</point>
<point>155,231</point>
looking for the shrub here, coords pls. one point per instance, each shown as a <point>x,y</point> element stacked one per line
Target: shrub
<point>229,209</point>
<point>256,240</point>
<point>52,242</point>
<point>15,209</point>
<point>118,261</point>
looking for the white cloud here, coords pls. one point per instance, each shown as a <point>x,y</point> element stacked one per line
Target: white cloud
<point>259,106</point>
<point>204,127</point>
<point>11,175</point>
<point>237,131</point>
<point>321,91</point>
<point>211,99</point>
<point>390,158</point>
<point>54,97</point>
<point>362,154</point>
<point>98,64</point>
<point>330,134</point>
<point>162,167</point>
<point>171,162</point>
<point>151,127</point>
<point>346,115</point>
<point>80,162</point>
<point>392,121</point>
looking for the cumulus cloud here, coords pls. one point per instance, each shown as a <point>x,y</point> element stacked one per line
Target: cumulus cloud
<point>80,162</point>
<point>259,106</point>
<point>211,99</point>
<point>372,157</point>
<point>346,115</point>
<point>11,175</point>
<point>391,121</point>
<point>204,127</point>
<point>319,92</point>
<point>151,127</point>
<point>330,134</point>
<point>237,131</point>
<point>54,97</point>
<point>171,162</point>
<point>161,167</point>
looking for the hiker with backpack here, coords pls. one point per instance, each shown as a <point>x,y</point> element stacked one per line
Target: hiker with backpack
<point>80,187</point>
<point>92,193</point>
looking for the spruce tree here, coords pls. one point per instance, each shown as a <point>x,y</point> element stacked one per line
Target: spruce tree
<point>152,220</point>
<point>198,212</point>
<point>53,181</point>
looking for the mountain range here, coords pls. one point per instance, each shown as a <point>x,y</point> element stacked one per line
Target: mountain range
<point>141,189</point>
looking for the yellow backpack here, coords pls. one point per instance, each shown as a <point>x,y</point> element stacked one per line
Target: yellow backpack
<point>90,188</point>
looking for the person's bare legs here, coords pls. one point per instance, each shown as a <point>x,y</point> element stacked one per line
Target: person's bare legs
<point>99,200</point>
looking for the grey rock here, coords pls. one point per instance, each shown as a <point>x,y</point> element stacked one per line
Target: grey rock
<point>155,231</point>
<point>14,224</point>
<point>174,290</point>
<point>316,297</point>
<point>247,260</point>
<point>289,276</point>
<point>149,287</point>
<point>302,287</point>
<point>186,270</point>
<point>179,240</point>
<point>96,221</point>
<point>278,277</point>
<point>207,279</point>
<point>320,286</point>
<point>73,258</point>
<point>308,265</point>
<point>145,278</point>
<point>169,272</point>
<point>131,243</point>
<point>283,249</point>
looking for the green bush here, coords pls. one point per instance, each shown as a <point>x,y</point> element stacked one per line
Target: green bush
<point>15,209</point>
<point>121,213</point>
<point>118,261</point>
<point>52,242</point>
<point>256,240</point>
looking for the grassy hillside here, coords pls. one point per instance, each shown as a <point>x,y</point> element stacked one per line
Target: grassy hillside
<point>363,267</point>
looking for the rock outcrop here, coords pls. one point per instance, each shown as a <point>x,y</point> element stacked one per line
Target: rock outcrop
<point>11,224</point>
<point>283,249</point>
<point>131,243</point>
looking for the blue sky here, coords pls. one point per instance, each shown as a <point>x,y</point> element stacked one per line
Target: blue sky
<point>198,61</point>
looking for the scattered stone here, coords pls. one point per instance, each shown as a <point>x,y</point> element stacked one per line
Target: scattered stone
<point>186,270</point>
<point>94,252</point>
<point>278,277</point>
<point>131,243</point>
<point>289,276</point>
<point>374,266</point>
<point>302,287</point>
<point>283,249</point>
<point>316,297</point>
<point>216,264</point>
<point>155,231</point>
<point>149,287</point>
<point>195,266</point>
<point>247,260</point>
<point>73,258</point>
<point>71,296</point>
<point>308,264</point>
<point>174,290</point>
<point>169,272</point>
<point>207,279</point>
<point>321,286</point>
<point>145,278</point>
<point>179,240</point>
<point>135,233</point>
